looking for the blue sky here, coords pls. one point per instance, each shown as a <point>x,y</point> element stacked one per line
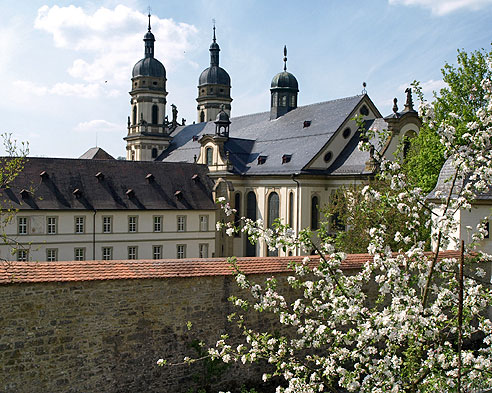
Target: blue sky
<point>65,67</point>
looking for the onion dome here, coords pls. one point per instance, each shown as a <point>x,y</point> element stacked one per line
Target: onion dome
<point>214,75</point>
<point>284,80</point>
<point>149,66</point>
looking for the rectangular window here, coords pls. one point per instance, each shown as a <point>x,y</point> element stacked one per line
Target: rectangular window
<point>157,252</point>
<point>79,224</point>
<point>203,223</point>
<point>51,224</point>
<point>51,254</point>
<point>79,254</point>
<point>132,224</point>
<point>157,223</point>
<point>107,224</point>
<point>107,253</point>
<point>22,255</point>
<point>203,250</point>
<point>181,223</point>
<point>132,252</point>
<point>22,225</point>
<point>181,251</point>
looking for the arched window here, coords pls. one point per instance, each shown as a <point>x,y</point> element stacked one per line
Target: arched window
<point>209,155</point>
<point>155,114</point>
<point>292,100</point>
<point>283,100</point>
<point>132,155</point>
<point>291,209</point>
<point>251,214</point>
<point>273,214</point>
<point>134,115</point>
<point>314,213</point>
<point>202,117</point>
<point>237,214</point>
<point>154,152</point>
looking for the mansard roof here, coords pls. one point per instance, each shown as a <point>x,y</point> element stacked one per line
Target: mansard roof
<point>80,184</point>
<point>256,135</point>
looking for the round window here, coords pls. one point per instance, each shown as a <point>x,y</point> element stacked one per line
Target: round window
<point>364,111</point>
<point>328,156</point>
<point>154,83</point>
<point>346,133</point>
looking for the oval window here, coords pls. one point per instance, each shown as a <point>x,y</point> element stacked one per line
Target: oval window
<point>346,133</point>
<point>328,156</point>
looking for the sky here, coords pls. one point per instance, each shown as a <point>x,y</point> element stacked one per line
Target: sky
<point>65,66</point>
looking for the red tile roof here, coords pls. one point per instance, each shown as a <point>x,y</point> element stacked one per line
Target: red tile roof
<point>28,272</point>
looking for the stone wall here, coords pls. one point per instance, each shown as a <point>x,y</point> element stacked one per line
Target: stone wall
<point>105,336</point>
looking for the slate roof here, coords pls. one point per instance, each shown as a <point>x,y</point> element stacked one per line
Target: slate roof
<point>255,135</point>
<point>30,272</point>
<point>72,184</point>
<point>96,153</point>
<point>444,183</point>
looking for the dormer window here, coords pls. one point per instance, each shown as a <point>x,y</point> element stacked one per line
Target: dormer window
<point>306,123</point>
<point>195,137</point>
<point>286,158</point>
<point>209,156</point>
<point>261,160</point>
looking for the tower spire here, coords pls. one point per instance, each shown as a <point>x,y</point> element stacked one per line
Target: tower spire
<point>214,49</point>
<point>149,40</point>
<point>285,57</point>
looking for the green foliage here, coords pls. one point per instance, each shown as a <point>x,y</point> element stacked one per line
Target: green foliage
<point>463,95</point>
<point>351,212</point>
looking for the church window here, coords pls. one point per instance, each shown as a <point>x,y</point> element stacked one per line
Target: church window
<point>221,90</point>
<point>283,100</point>
<point>364,111</point>
<point>203,90</point>
<point>211,90</point>
<point>202,117</point>
<point>273,214</point>
<point>136,84</point>
<point>293,100</point>
<point>154,83</point>
<point>154,152</point>
<point>155,114</point>
<point>143,82</point>
<point>314,213</point>
<point>328,156</point>
<point>209,153</point>
<point>133,155</point>
<point>135,115</point>
<point>291,209</point>
<point>251,214</point>
<point>346,133</point>
<point>237,214</point>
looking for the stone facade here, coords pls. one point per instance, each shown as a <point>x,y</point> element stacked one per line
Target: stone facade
<point>106,336</point>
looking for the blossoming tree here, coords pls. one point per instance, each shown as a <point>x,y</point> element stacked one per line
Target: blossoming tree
<point>426,330</point>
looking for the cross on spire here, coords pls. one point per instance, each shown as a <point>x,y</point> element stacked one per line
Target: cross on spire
<point>285,57</point>
<point>149,9</point>
<point>213,21</point>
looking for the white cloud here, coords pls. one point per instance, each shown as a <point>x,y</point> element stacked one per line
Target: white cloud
<point>428,87</point>
<point>443,7</point>
<point>99,126</point>
<point>90,90</point>
<point>109,41</point>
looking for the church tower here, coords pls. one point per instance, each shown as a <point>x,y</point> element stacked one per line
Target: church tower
<point>147,135</point>
<point>283,90</point>
<point>214,88</point>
